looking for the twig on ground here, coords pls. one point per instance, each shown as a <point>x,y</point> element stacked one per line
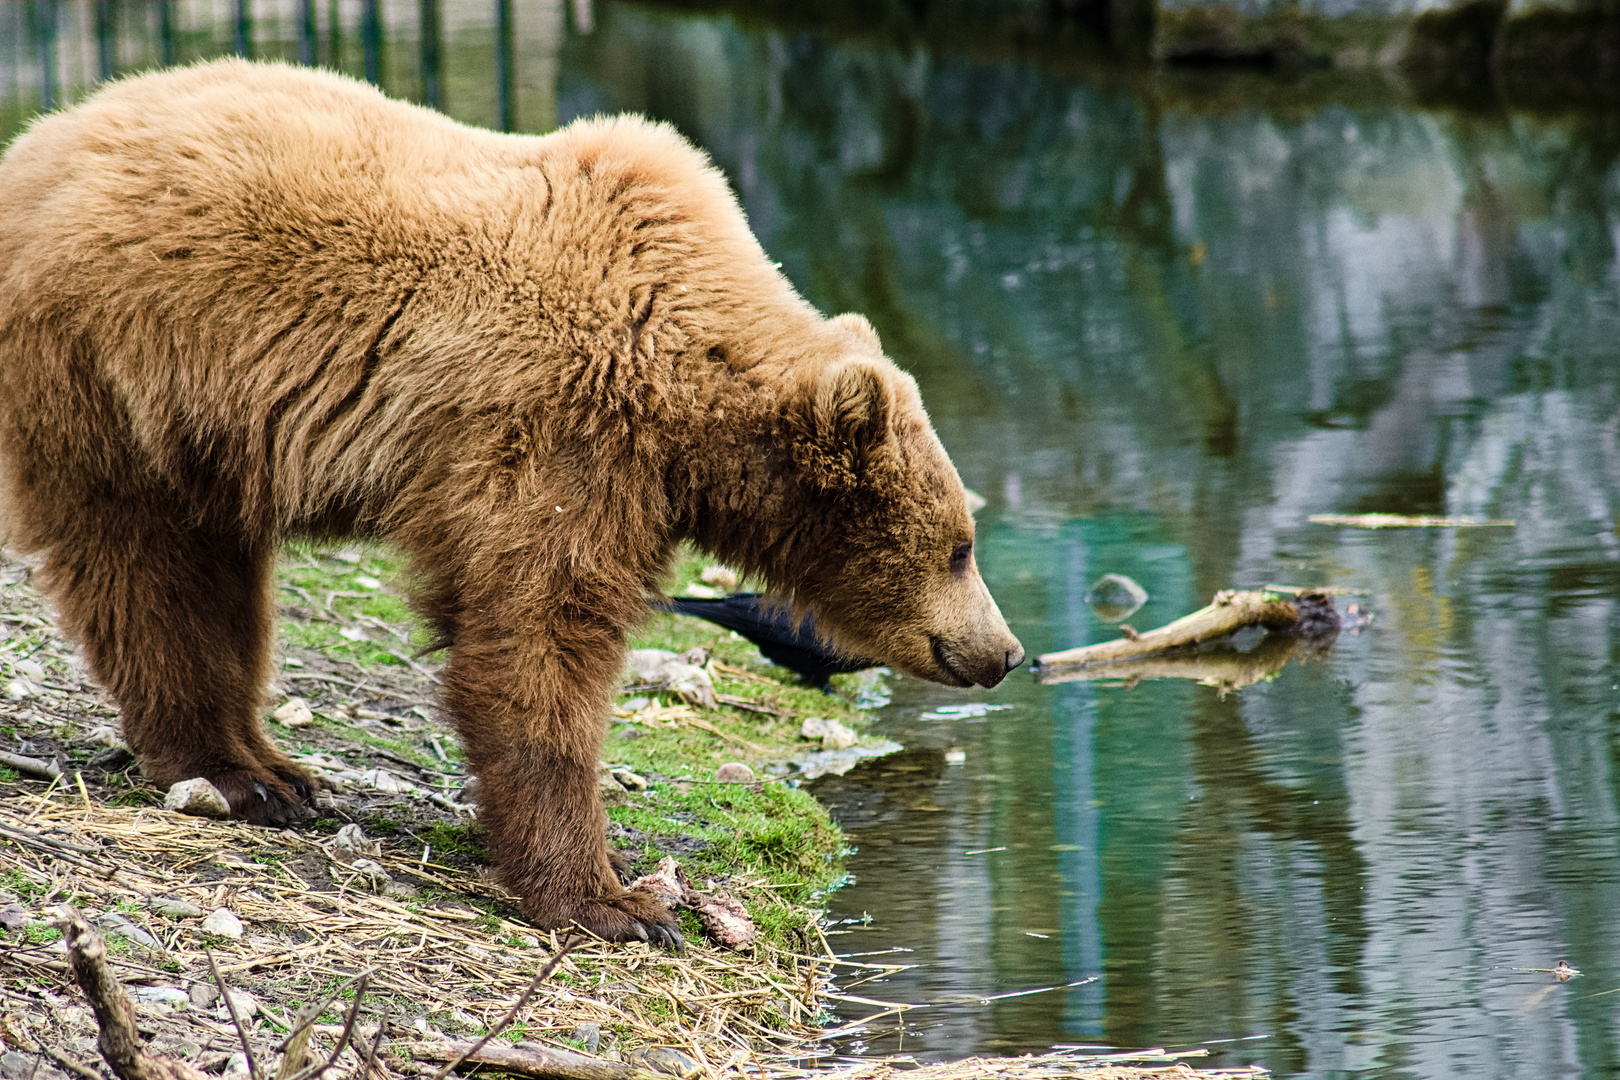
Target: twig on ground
<point>120,1041</point>
<point>534,984</point>
<point>230,1007</point>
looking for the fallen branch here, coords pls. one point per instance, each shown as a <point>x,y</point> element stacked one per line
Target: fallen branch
<point>1231,610</point>
<point>45,770</point>
<point>527,1059</point>
<point>1217,665</point>
<point>120,1042</point>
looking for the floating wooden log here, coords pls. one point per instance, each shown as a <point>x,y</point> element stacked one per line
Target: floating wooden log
<point>1276,607</point>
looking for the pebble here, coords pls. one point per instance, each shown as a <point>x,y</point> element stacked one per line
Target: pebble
<point>203,995</point>
<point>118,924</point>
<point>734,772</point>
<point>15,1066</point>
<point>1114,597</point>
<point>13,917</point>
<point>587,1035</point>
<point>197,796</point>
<point>170,996</point>
<point>295,713</point>
<point>176,909</point>
<point>665,1059</point>
<point>245,1004</point>
<point>224,923</point>
<point>628,780</point>
<point>237,1065</point>
<point>351,843</point>
<point>372,869</point>
<point>833,735</point>
<point>33,669</point>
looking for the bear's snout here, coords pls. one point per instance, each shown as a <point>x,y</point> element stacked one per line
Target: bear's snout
<point>979,663</point>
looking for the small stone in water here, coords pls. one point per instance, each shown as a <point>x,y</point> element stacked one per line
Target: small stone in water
<point>198,797</point>
<point>954,756</point>
<point>734,772</point>
<point>833,735</point>
<point>1114,597</point>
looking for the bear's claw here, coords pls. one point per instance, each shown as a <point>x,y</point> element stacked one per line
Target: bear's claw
<point>278,795</point>
<point>631,917</point>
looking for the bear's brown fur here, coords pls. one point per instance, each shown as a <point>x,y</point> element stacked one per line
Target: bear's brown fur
<point>243,302</point>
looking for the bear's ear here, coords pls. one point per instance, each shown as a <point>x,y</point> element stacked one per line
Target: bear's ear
<point>857,326</point>
<point>849,420</point>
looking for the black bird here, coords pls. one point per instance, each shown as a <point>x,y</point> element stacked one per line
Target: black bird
<point>771,627</point>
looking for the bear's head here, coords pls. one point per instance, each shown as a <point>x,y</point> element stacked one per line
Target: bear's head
<point>886,563</point>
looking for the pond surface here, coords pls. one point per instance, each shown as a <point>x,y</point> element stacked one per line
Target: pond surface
<point>1160,321</point>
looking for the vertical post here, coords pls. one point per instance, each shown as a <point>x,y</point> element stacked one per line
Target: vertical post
<point>45,36</point>
<point>242,42</point>
<point>503,61</point>
<point>166,32</point>
<point>334,36</point>
<point>431,61</point>
<point>106,37</point>
<point>371,40</point>
<point>306,32</point>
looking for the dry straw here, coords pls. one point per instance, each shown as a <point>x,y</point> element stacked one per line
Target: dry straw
<point>435,964</point>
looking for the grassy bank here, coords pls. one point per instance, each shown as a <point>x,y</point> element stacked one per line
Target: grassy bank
<point>457,949</point>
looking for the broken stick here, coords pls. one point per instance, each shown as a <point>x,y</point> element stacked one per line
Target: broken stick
<point>120,1041</point>
<point>1275,608</point>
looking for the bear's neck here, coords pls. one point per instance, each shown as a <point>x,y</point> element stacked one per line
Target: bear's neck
<point>733,490</point>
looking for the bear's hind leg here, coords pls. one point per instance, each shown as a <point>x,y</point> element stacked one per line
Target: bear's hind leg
<point>177,622</point>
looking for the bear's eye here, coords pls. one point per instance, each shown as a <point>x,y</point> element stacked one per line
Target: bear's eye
<point>960,556</point>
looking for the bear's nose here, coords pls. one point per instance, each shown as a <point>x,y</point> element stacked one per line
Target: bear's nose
<point>1015,657</point>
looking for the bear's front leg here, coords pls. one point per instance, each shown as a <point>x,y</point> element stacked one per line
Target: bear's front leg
<point>531,715</point>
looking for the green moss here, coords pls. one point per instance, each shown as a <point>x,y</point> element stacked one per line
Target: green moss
<point>771,843</point>
<point>447,839</point>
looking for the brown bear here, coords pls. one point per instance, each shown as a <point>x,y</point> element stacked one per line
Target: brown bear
<point>243,302</point>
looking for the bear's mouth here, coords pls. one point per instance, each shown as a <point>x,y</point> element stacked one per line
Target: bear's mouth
<point>942,658</point>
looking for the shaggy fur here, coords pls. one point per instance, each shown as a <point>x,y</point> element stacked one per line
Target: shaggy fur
<point>244,302</point>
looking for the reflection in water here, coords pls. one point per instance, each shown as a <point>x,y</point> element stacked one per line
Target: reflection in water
<point>1162,336</point>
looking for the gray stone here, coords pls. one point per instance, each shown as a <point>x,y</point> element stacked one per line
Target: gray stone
<point>118,924</point>
<point>1114,597</point>
<point>833,735</point>
<point>13,917</point>
<point>587,1035</point>
<point>169,907</point>
<point>170,996</point>
<point>203,995</point>
<point>197,796</point>
<point>665,1059</point>
<point>224,923</point>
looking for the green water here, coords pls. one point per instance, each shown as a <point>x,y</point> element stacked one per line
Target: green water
<point>1159,323</point>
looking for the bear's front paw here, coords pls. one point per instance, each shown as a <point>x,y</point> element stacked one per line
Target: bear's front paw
<point>274,796</point>
<point>631,917</point>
